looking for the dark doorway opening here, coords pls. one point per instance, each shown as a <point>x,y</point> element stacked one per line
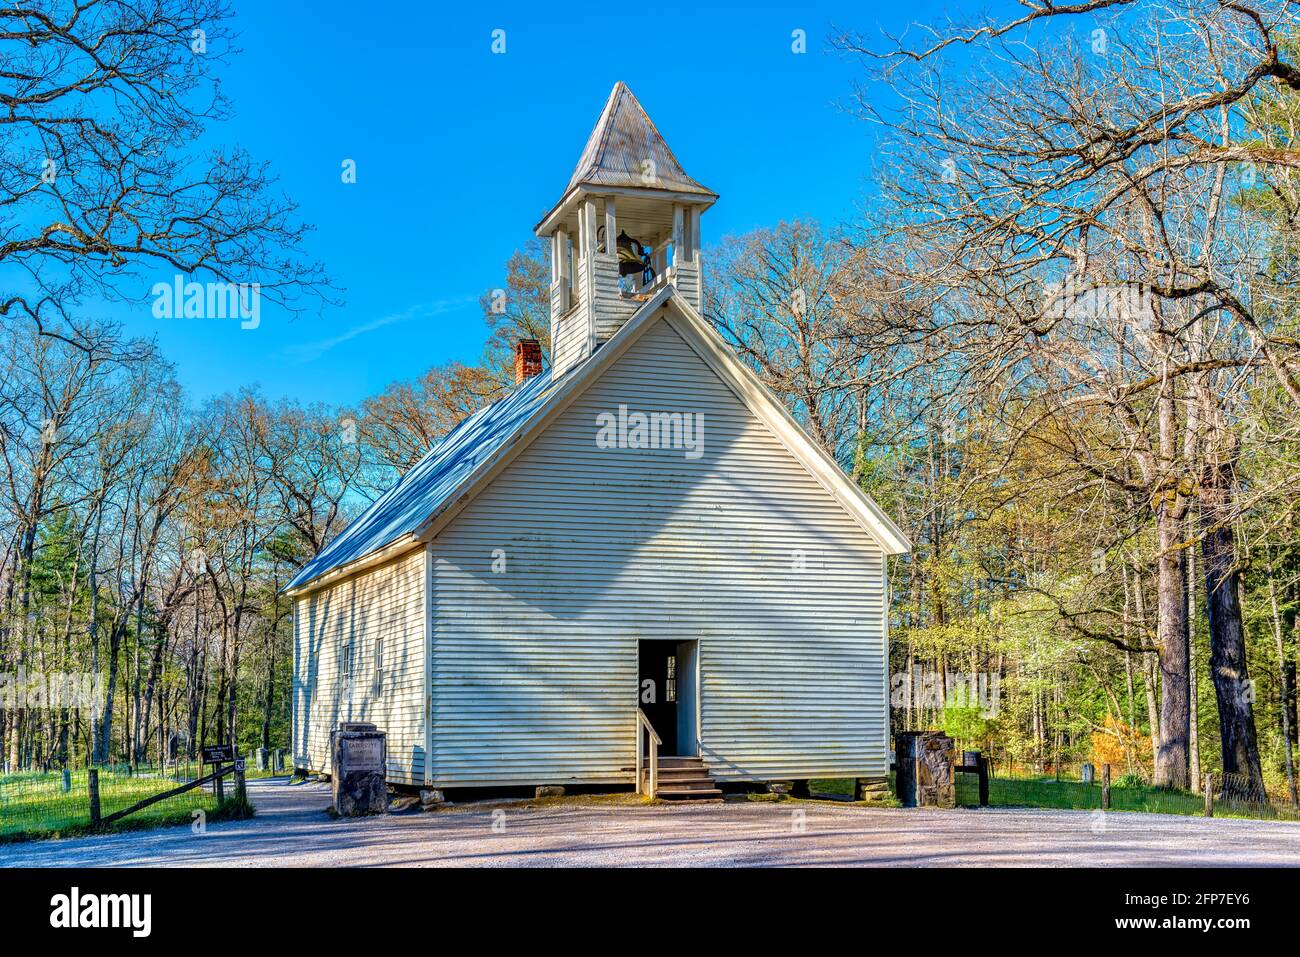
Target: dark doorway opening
<point>666,692</point>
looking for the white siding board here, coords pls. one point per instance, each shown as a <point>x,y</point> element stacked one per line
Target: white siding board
<point>569,340</point>
<point>534,670</point>
<point>612,309</point>
<point>386,603</point>
<point>687,281</point>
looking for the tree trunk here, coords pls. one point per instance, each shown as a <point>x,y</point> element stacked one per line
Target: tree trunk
<point>92,633</point>
<point>1289,698</point>
<point>1172,756</point>
<point>1291,625</point>
<point>1228,670</point>
<point>155,670</point>
<point>105,743</point>
<point>1193,685</point>
<point>1130,737</point>
<point>1288,726</point>
<point>136,686</point>
<point>1147,661</point>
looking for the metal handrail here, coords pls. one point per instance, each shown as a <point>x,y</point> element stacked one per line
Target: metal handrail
<point>655,741</point>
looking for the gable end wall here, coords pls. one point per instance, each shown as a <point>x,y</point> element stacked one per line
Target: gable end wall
<point>543,584</point>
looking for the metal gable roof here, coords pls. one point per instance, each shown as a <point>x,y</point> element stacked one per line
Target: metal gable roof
<point>430,482</point>
<point>453,466</point>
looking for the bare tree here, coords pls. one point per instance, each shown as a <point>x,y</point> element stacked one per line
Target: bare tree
<point>520,309</point>
<point>774,295</point>
<point>1065,209</point>
<point>104,101</point>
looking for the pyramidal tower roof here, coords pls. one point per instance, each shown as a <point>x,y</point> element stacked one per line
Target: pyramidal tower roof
<point>625,150</point>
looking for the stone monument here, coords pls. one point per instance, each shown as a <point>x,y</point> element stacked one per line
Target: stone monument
<point>359,752</point>
<point>925,769</point>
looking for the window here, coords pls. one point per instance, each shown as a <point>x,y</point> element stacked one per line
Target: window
<point>379,667</point>
<point>345,666</point>
<point>670,686</point>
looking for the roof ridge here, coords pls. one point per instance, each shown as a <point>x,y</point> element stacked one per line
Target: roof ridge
<point>607,120</point>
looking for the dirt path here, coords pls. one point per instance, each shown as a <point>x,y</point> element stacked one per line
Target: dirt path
<point>291,828</point>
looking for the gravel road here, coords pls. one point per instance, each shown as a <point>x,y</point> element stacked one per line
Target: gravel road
<point>292,829</point>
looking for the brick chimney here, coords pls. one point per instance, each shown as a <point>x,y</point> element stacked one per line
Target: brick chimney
<point>528,360</point>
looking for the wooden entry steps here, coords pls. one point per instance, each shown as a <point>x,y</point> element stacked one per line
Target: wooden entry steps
<point>684,779</point>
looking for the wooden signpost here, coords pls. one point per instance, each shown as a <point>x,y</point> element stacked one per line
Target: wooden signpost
<point>92,787</point>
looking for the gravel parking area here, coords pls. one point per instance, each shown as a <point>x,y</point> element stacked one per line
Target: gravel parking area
<point>292,829</point>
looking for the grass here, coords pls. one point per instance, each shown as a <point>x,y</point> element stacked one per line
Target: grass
<point>34,804</point>
<point>1047,792</point>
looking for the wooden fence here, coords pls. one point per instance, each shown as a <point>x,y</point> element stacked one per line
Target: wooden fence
<point>215,778</point>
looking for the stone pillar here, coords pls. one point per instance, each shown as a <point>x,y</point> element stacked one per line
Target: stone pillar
<point>260,755</point>
<point>1086,773</point>
<point>924,762</point>
<point>358,781</point>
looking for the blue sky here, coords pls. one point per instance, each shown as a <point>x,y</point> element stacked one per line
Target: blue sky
<point>459,151</point>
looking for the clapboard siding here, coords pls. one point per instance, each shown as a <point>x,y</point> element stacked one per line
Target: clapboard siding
<point>534,666</point>
<point>686,277</point>
<point>612,309</point>
<point>385,603</point>
<point>569,344</point>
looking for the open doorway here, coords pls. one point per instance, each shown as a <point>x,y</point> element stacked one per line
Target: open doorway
<point>668,693</point>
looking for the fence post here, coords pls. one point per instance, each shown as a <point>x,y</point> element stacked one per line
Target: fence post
<point>1209,795</point>
<point>219,783</point>
<point>1105,787</point>
<point>983,764</point>
<point>92,786</point>
<point>241,789</point>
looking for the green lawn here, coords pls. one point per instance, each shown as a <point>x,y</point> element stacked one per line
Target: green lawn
<point>1047,792</point>
<point>832,786</point>
<point>34,804</point>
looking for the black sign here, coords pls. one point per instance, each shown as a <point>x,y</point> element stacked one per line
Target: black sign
<point>217,753</point>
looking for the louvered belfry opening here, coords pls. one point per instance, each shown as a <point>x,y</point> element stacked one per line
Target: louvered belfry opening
<point>528,360</point>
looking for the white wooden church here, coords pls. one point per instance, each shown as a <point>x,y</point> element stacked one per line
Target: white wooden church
<point>638,555</point>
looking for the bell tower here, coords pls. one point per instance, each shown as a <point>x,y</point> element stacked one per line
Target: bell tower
<point>627,225</point>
